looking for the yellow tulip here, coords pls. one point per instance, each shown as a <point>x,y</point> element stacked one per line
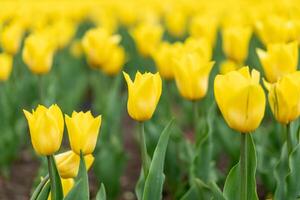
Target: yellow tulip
<point>46,126</point>
<point>241,99</point>
<point>115,61</point>
<point>279,59</point>
<point>6,64</point>
<point>67,185</point>
<point>147,37</point>
<point>284,97</point>
<point>143,95</point>
<point>68,163</point>
<point>38,53</point>
<point>83,130</point>
<point>176,22</point>
<point>199,45</point>
<point>228,66</point>
<point>11,37</point>
<point>236,42</point>
<point>191,75</point>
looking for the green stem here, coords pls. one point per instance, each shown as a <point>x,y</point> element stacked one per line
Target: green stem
<point>41,87</point>
<point>243,166</point>
<point>288,137</point>
<point>51,178</point>
<point>144,154</point>
<point>196,116</point>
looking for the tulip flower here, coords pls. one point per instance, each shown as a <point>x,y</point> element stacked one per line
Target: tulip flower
<point>236,42</point>
<point>6,64</point>
<point>115,61</point>
<point>67,185</point>
<point>284,97</point>
<point>147,37</point>
<point>191,74</point>
<point>241,99</point>
<point>176,22</point>
<point>11,37</point>
<point>46,126</point>
<point>143,95</point>
<point>68,163</point>
<point>228,66</point>
<point>38,53</point>
<point>199,45</point>
<point>83,130</point>
<point>279,59</point>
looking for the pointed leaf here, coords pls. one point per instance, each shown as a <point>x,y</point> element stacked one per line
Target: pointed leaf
<point>101,195</point>
<point>56,187</point>
<point>39,188</point>
<point>44,194</point>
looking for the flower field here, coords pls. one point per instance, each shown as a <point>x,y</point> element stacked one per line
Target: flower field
<point>149,100</point>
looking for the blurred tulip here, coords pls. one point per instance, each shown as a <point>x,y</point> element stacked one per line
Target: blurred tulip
<point>67,185</point>
<point>176,22</point>
<point>284,97</point>
<point>68,163</point>
<point>278,60</point>
<point>6,64</point>
<point>241,99</point>
<point>46,126</point>
<point>11,37</point>
<point>191,74</point>
<point>38,53</point>
<point>115,61</point>
<point>228,66</point>
<point>83,130</point>
<point>143,95</point>
<point>236,42</point>
<point>147,37</point>
<point>199,45</point>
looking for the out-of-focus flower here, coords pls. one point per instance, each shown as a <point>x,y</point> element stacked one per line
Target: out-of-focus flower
<point>83,130</point>
<point>38,53</point>
<point>11,37</point>
<point>236,42</point>
<point>66,184</point>
<point>147,37</point>
<point>284,97</point>
<point>228,66</point>
<point>6,64</point>
<point>241,99</point>
<point>191,74</point>
<point>46,126</point>
<point>176,22</point>
<point>76,49</point>
<point>278,60</point>
<point>199,45</point>
<point>115,61</point>
<point>143,95</point>
<point>63,31</point>
<point>68,163</point>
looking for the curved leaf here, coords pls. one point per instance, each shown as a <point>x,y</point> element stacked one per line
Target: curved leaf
<point>101,195</point>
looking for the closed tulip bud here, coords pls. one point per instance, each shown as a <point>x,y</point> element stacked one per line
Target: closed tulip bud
<point>176,23</point>
<point>147,37</point>
<point>38,53</point>
<point>11,37</point>
<point>143,95</point>
<point>68,163</point>
<point>6,64</point>
<point>279,59</point>
<point>284,97</point>
<point>67,185</point>
<point>115,62</point>
<point>199,45</point>
<point>241,99</point>
<point>46,126</point>
<point>228,66</point>
<point>191,74</point>
<point>83,130</point>
<point>236,42</point>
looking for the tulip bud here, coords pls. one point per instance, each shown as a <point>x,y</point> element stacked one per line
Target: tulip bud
<point>228,66</point>
<point>236,42</point>
<point>143,95</point>
<point>38,53</point>
<point>115,61</point>
<point>83,130</point>
<point>176,22</point>
<point>11,37</point>
<point>46,126</point>
<point>6,64</point>
<point>199,45</point>
<point>284,97</point>
<point>279,59</point>
<point>68,163</point>
<point>191,75</point>
<point>241,99</point>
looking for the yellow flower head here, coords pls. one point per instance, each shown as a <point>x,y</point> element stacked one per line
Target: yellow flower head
<point>284,97</point>
<point>83,130</point>
<point>114,63</point>
<point>176,22</point>
<point>241,99</point>
<point>6,64</point>
<point>228,66</point>
<point>38,53</point>
<point>68,163</point>
<point>147,37</point>
<point>199,45</point>
<point>46,126</point>
<point>11,37</point>
<point>236,42</point>
<point>143,95</point>
<point>279,59</point>
<point>191,74</point>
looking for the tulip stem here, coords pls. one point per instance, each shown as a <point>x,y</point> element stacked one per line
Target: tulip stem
<point>288,138</point>
<point>143,146</point>
<point>196,115</point>
<point>243,166</point>
<point>41,87</point>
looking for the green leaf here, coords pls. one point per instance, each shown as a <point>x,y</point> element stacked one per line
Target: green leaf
<point>139,188</point>
<point>155,179</point>
<point>101,195</point>
<point>80,191</point>
<point>39,188</point>
<point>232,186</point>
<point>280,173</point>
<point>292,179</point>
<point>44,194</point>
<point>56,187</point>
